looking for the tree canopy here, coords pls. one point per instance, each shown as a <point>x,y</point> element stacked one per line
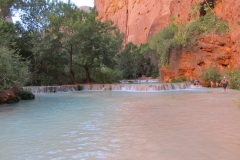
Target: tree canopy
<point>63,43</point>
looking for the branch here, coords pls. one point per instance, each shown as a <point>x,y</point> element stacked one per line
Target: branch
<point>209,7</point>
<point>80,65</point>
<point>65,48</point>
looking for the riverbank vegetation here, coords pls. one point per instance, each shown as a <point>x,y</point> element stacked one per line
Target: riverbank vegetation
<point>57,43</point>
<point>185,35</point>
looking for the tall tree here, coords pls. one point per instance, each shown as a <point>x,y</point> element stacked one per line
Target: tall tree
<point>99,43</point>
<point>129,61</point>
<point>65,19</point>
<point>13,68</point>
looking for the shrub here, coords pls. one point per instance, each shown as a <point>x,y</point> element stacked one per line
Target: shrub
<point>14,69</point>
<point>25,95</point>
<point>130,60</point>
<point>185,35</point>
<point>164,42</point>
<point>234,78</point>
<point>178,80</point>
<point>106,75</point>
<point>211,74</point>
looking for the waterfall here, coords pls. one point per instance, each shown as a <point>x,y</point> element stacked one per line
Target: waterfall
<point>108,87</point>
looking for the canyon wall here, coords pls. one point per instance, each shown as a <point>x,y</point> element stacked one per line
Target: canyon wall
<point>140,19</point>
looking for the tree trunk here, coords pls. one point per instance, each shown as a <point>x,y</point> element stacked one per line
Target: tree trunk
<point>71,66</point>
<point>88,79</point>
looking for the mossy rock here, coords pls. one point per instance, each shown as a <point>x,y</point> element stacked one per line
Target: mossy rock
<point>26,95</point>
<point>79,87</point>
<point>13,100</point>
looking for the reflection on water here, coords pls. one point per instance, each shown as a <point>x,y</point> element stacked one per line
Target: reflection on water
<point>178,125</point>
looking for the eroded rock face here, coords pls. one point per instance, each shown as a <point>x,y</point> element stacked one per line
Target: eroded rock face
<point>140,19</point>
<point>212,50</point>
<point>137,19</point>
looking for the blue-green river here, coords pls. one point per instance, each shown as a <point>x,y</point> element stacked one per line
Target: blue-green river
<point>89,125</point>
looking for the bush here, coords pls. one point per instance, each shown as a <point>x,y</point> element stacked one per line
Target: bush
<point>13,100</point>
<point>129,61</point>
<point>14,69</point>
<point>211,74</point>
<point>178,80</point>
<point>164,42</point>
<point>106,75</point>
<point>185,35</point>
<point>234,78</point>
<point>25,95</point>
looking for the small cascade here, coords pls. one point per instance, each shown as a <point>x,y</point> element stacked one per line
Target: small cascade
<point>109,87</point>
<point>51,89</point>
<point>139,81</point>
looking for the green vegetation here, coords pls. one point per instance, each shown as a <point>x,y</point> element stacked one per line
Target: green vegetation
<point>129,61</point>
<point>164,42</point>
<point>106,75</point>
<point>211,74</point>
<point>136,61</point>
<point>56,43</point>
<point>25,95</point>
<point>185,36</point>
<point>14,69</point>
<point>234,78</point>
<point>179,79</point>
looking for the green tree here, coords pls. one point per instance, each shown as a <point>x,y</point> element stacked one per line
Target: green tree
<point>150,60</point>
<point>99,42</point>
<point>64,20</point>
<point>5,8</point>
<point>130,60</point>
<point>13,69</point>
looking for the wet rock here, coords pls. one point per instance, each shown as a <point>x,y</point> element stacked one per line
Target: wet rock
<point>14,95</point>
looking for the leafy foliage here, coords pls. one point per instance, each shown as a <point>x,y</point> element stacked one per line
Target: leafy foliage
<point>99,42</point>
<point>234,78</point>
<point>150,60</point>
<point>129,61</point>
<point>26,95</point>
<point>185,35</point>
<point>72,39</point>
<point>13,69</point>
<point>211,74</point>
<point>106,75</point>
<point>136,61</point>
<point>163,42</point>
<point>178,80</point>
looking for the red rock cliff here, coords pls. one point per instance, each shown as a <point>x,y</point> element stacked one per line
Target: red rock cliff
<point>139,19</point>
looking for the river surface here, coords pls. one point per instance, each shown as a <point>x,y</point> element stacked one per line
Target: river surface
<point>173,125</point>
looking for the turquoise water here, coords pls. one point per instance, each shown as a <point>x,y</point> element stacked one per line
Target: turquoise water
<point>119,125</point>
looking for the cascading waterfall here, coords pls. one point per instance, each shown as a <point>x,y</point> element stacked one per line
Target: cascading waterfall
<point>108,87</point>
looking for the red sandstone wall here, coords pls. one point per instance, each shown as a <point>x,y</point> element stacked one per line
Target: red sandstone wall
<point>139,19</point>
